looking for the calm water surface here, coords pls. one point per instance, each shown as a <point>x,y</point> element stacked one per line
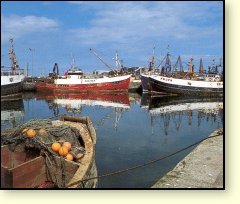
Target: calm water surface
<point>131,129</point>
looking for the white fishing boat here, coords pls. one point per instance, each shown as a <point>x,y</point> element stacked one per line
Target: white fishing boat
<point>187,83</point>
<point>11,77</point>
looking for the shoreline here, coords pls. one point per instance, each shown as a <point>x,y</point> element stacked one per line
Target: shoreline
<point>201,168</point>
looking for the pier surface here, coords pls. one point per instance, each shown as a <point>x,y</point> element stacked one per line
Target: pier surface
<point>202,168</point>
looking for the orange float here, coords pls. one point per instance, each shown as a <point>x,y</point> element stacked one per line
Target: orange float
<point>63,151</point>
<point>68,145</point>
<point>69,157</point>
<point>56,146</point>
<point>31,133</point>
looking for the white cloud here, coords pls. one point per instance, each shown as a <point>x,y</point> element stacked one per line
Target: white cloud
<point>126,22</point>
<point>18,26</point>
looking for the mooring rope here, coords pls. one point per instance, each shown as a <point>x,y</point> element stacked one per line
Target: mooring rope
<point>141,165</point>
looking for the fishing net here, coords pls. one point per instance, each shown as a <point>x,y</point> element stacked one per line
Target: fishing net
<point>42,143</point>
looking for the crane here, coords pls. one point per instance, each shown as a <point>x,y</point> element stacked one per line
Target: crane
<point>94,52</point>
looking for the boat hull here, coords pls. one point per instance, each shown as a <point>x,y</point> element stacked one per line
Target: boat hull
<point>181,89</point>
<point>10,89</point>
<point>145,83</point>
<point>118,85</point>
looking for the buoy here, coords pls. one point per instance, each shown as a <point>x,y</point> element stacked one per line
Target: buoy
<point>56,146</point>
<point>63,151</point>
<point>69,157</point>
<point>31,133</point>
<point>68,145</point>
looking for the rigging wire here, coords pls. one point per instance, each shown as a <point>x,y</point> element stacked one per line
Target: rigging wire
<point>142,165</point>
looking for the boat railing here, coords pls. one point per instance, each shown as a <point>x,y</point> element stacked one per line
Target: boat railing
<point>12,72</point>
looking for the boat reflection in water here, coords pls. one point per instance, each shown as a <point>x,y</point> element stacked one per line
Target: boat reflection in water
<point>182,110</point>
<point>12,113</point>
<point>73,103</point>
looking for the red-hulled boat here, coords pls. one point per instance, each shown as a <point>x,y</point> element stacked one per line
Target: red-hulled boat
<point>76,82</point>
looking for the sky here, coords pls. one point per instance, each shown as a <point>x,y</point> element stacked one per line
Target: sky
<point>46,32</point>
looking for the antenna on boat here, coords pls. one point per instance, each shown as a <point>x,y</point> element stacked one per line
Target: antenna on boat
<point>13,58</point>
<point>73,62</point>
<point>117,61</point>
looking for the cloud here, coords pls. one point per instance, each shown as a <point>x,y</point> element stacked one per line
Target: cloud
<point>131,22</point>
<point>17,26</point>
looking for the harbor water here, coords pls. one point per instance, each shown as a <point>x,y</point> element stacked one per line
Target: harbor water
<point>131,129</point>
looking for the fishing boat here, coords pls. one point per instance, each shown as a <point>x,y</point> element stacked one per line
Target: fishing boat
<point>77,83</point>
<point>188,83</point>
<point>11,77</point>
<point>74,80</point>
<point>185,86</point>
<point>25,168</point>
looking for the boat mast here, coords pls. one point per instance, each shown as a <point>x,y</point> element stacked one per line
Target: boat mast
<point>168,61</point>
<point>201,67</point>
<point>153,59</point>
<point>190,64</point>
<point>220,65</point>
<point>160,62</point>
<point>179,62</point>
<point>13,58</point>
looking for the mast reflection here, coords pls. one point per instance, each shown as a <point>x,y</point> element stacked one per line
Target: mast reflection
<point>178,110</point>
<point>74,103</point>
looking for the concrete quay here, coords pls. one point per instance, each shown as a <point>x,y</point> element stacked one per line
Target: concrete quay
<point>202,168</point>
